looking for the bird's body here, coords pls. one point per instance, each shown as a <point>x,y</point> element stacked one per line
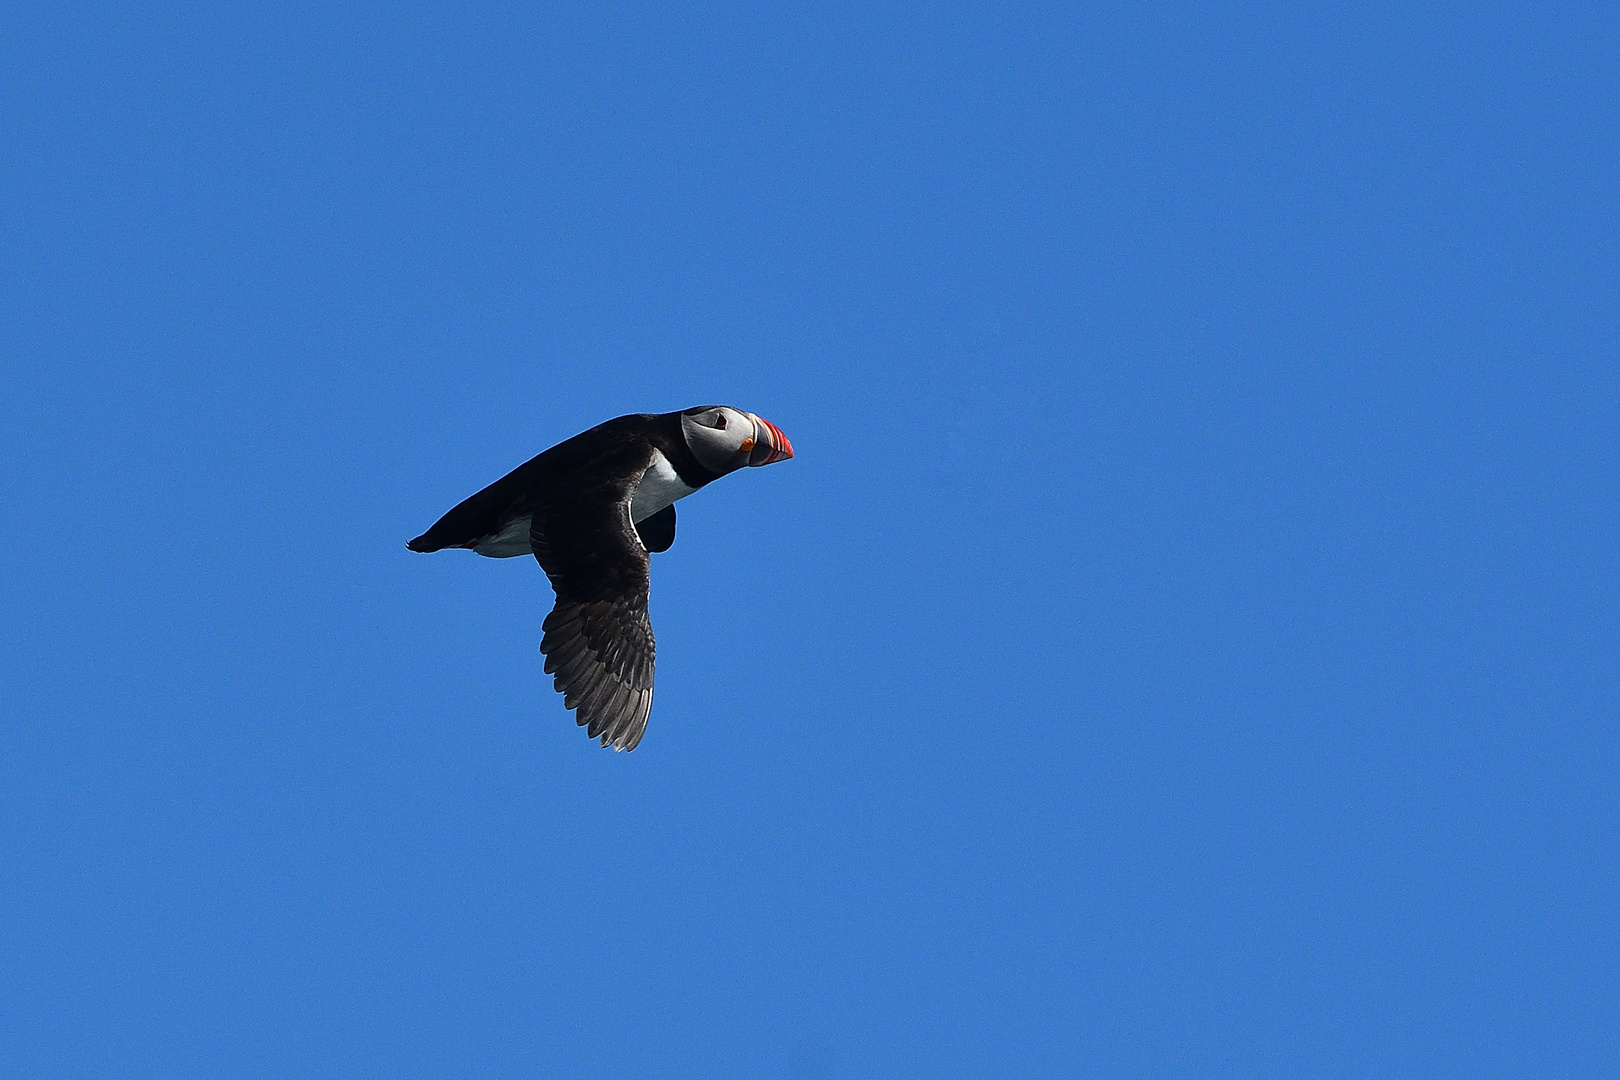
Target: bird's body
<point>590,509</point>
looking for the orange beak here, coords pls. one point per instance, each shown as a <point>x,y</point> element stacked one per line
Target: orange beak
<point>770,445</point>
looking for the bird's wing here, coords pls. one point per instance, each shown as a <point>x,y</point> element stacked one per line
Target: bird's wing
<point>657,531</point>
<point>598,641</point>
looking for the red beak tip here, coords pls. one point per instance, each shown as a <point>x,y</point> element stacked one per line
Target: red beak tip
<point>781,449</point>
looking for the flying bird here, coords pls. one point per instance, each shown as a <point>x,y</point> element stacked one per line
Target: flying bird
<point>591,510</point>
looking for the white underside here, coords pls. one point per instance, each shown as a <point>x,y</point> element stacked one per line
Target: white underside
<point>511,541</point>
<point>660,487</point>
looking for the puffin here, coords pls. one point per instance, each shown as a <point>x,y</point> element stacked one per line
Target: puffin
<point>592,510</point>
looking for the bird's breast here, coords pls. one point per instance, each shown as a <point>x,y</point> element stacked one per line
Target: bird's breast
<point>660,486</point>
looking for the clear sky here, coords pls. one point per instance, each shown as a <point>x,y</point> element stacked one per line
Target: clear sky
<point>1185,644</point>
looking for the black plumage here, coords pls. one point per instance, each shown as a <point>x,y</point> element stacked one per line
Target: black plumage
<point>571,506</point>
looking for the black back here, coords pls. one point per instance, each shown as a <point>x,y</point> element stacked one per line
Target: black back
<point>574,468</point>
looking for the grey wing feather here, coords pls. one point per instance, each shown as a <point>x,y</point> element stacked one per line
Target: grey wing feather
<point>598,640</point>
<point>601,654</point>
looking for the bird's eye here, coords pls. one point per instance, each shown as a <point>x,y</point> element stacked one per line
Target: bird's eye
<point>720,421</point>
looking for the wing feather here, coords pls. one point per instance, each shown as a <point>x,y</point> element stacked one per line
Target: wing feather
<point>598,640</point>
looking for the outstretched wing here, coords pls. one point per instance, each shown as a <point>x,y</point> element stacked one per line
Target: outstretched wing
<point>598,641</point>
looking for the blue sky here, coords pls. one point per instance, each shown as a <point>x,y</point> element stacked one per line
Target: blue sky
<point>1184,645</point>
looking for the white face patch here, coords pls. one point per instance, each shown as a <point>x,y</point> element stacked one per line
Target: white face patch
<point>660,486</point>
<point>716,437</point>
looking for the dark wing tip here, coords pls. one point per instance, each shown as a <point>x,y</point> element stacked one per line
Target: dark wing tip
<point>420,544</point>
<point>600,656</point>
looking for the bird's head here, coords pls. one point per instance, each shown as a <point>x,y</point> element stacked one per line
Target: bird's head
<point>724,439</point>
